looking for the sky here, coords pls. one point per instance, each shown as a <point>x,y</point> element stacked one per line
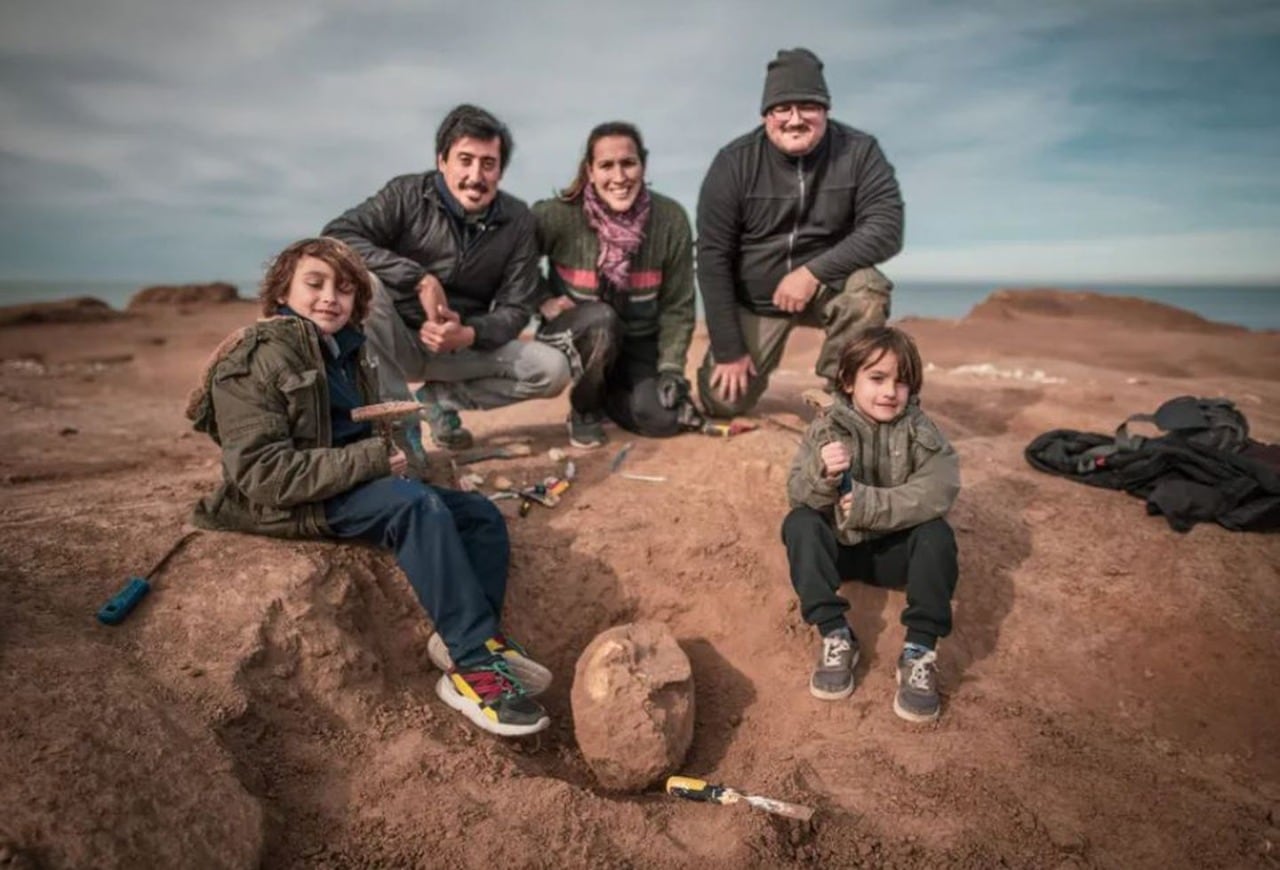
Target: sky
<point>1066,140</point>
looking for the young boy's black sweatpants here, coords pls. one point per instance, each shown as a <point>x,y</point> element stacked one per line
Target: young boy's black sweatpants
<point>921,558</point>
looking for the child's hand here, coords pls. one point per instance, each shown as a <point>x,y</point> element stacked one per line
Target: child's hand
<point>399,463</point>
<point>835,458</point>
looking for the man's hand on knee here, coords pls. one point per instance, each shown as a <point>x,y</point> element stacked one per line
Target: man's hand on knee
<point>730,379</point>
<point>795,290</point>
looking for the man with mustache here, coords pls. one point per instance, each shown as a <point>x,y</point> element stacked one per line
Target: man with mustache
<point>456,264</point>
<point>793,217</point>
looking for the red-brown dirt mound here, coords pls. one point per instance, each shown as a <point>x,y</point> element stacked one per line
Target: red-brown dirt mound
<point>184,294</point>
<point>1127,311</point>
<point>1108,699</point>
<point>82,309</point>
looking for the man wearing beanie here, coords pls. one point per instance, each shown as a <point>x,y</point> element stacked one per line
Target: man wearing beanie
<point>793,217</point>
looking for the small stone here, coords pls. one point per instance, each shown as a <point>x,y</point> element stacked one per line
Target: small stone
<point>196,672</point>
<point>68,430</point>
<point>503,484</point>
<point>555,454</point>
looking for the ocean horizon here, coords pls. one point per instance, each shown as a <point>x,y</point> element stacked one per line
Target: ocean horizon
<point>1253,306</point>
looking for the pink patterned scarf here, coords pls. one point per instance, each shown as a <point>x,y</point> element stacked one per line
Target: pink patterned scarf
<point>620,235</point>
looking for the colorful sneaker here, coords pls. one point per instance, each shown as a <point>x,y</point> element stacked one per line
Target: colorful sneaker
<point>586,430</point>
<point>535,677</point>
<point>492,698</point>
<point>447,430</point>
<point>832,678</point>
<point>917,698</point>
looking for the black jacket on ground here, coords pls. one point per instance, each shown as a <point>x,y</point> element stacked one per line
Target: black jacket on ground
<point>1184,482</point>
<point>405,231</point>
<point>761,214</point>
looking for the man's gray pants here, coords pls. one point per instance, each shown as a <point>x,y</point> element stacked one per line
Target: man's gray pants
<point>863,302</point>
<point>461,379</point>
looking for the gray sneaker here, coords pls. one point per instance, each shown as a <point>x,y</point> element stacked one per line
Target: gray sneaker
<point>832,677</point>
<point>917,697</point>
<point>446,429</point>
<point>586,430</point>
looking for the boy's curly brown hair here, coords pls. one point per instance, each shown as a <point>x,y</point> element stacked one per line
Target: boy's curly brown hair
<point>871,344</point>
<point>348,269</point>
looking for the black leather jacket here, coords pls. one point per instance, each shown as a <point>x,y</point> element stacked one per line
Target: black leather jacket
<point>405,231</point>
<point>761,214</point>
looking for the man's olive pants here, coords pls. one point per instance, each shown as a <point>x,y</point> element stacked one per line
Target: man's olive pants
<point>841,314</point>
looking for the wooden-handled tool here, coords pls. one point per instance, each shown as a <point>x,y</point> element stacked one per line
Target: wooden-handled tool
<point>383,415</point>
<point>699,790</point>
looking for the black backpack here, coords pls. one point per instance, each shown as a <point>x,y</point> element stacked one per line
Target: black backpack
<point>1214,423</point>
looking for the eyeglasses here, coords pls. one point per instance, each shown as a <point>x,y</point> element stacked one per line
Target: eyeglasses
<point>806,110</point>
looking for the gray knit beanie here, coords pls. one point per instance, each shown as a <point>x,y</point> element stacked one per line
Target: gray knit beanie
<point>794,76</point>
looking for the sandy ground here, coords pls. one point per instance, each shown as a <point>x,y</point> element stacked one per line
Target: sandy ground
<point>1110,688</point>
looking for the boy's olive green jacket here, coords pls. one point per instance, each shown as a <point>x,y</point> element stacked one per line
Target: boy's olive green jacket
<point>265,400</point>
<point>904,472</point>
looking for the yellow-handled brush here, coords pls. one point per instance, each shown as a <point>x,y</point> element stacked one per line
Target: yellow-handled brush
<point>699,790</point>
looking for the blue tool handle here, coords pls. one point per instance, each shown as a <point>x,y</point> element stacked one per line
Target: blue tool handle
<point>122,604</point>
<point>846,482</point>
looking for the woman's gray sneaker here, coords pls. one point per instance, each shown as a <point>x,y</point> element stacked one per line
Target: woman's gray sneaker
<point>586,430</point>
<point>447,430</point>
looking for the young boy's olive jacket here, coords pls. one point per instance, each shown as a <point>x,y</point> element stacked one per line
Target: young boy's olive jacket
<point>904,472</point>
<point>264,399</point>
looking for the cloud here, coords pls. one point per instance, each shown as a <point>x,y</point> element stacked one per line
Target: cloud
<point>146,136</point>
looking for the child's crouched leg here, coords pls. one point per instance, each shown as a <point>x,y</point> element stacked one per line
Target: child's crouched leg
<point>932,571</point>
<point>814,557</point>
<point>456,569</point>
<point>453,547</point>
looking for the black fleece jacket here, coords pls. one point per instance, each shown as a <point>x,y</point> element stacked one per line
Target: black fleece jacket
<point>761,214</point>
<point>405,231</point>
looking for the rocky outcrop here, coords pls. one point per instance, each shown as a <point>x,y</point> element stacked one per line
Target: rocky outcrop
<point>81,309</point>
<point>1006,305</point>
<point>184,294</point>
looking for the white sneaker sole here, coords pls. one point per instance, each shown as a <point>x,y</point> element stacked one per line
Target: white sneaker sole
<point>904,713</point>
<point>536,678</point>
<point>584,445</point>
<point>842,694</point>
<point>447,693</point>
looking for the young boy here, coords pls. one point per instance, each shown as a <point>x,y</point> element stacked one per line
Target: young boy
<point>277,398</point>
<point>869,488</point>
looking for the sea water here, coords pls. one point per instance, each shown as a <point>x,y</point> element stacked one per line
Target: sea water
<point>1251,306</point>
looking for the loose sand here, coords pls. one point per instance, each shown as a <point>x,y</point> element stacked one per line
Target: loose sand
<point>1110,688</point>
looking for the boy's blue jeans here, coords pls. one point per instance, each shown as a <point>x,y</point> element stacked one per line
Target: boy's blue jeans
<point>452,546</point>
